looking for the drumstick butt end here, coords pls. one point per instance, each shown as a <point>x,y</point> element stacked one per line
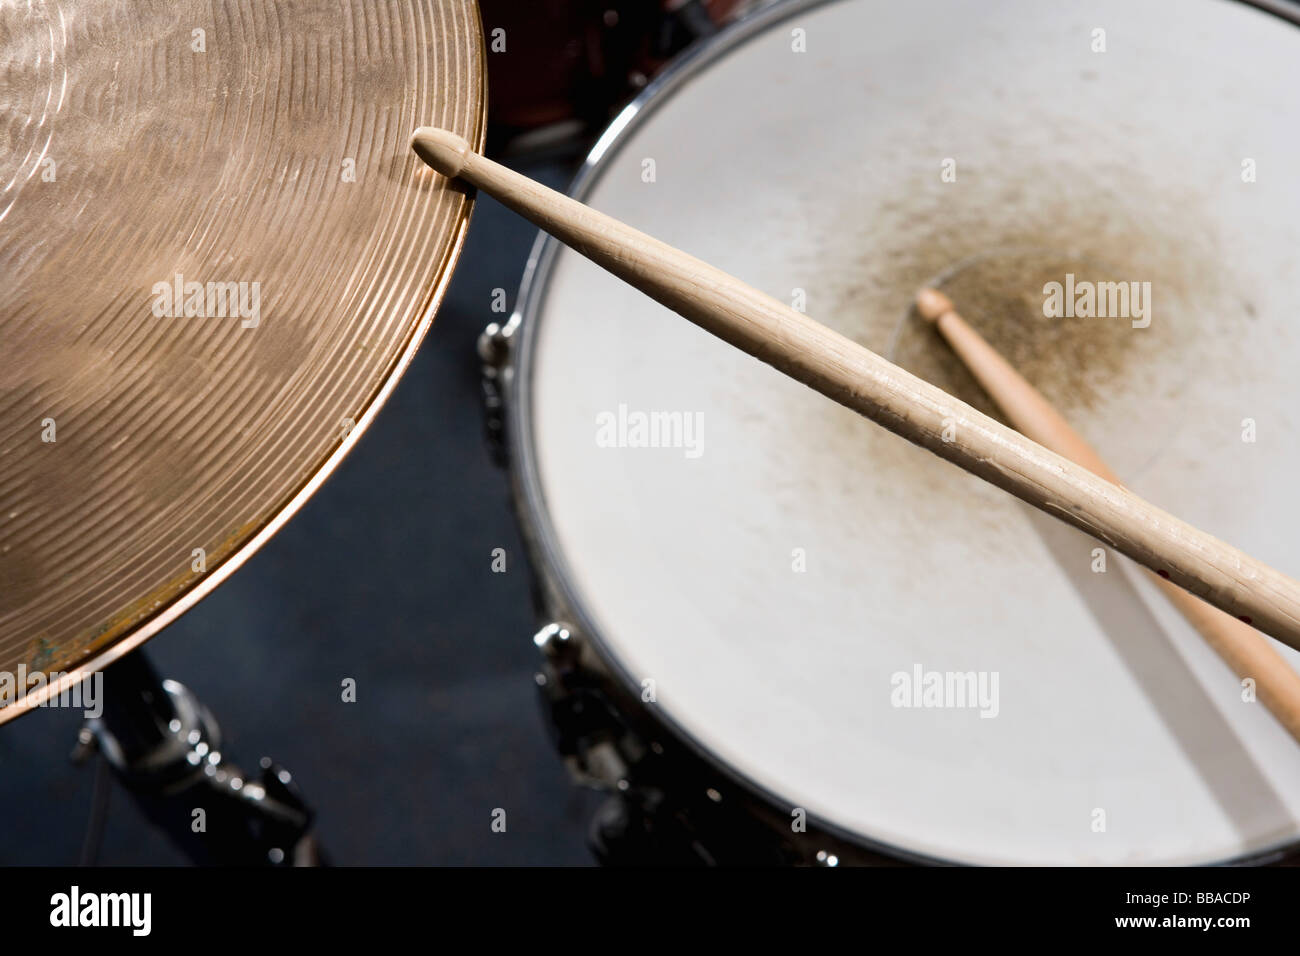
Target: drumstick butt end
<point>444,151</point>
<point>931,304</point>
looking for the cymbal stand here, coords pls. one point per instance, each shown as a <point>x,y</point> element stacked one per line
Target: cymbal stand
<point>164,747</point>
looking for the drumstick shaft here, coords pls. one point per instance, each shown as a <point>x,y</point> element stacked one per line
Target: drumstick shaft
<point>863,381</point>
<point>1242,648</point>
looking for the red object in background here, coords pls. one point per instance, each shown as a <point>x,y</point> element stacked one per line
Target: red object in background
<point>582,59</point>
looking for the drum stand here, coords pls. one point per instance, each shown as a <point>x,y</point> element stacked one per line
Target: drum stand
<point>164,748</point>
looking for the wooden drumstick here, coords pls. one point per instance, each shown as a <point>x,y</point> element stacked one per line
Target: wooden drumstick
<point>1243,648</point>
<point>859,379</point>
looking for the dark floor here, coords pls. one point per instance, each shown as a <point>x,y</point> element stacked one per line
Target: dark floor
<point>385,577</point>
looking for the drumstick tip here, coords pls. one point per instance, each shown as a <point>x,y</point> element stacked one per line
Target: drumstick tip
<point>443,150</point>
<point>931,304</point>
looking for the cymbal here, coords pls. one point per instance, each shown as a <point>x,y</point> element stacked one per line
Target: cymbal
<point>218,255</point>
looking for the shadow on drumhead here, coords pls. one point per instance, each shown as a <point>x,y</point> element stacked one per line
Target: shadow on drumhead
<point>1185,707</point>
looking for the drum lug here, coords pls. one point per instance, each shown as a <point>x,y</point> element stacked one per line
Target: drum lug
<point>556,642</point>
<point>588,732</point>
<point>663,805</point>
<point>494,356</point>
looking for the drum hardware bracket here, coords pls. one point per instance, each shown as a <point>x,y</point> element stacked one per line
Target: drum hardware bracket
<point>664,806</point>
<point>494,347</point>
<point>635,822</point>
<point>585,726</point>
<point>164,747</point>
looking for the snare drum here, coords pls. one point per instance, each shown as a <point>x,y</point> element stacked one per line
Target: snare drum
<point>781,632</point>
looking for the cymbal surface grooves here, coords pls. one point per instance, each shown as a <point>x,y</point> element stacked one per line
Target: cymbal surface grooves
<point>217,254</point>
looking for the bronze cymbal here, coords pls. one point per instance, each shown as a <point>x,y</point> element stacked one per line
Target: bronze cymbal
<point>217,255</point>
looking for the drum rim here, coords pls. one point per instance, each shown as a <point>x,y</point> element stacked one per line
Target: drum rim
<point>540,537</point>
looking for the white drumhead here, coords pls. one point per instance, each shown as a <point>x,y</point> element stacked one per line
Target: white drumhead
<point>777,571</point>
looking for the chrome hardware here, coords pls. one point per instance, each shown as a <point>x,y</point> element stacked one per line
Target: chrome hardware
<point>494,354</point>
<point>556,642</point>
